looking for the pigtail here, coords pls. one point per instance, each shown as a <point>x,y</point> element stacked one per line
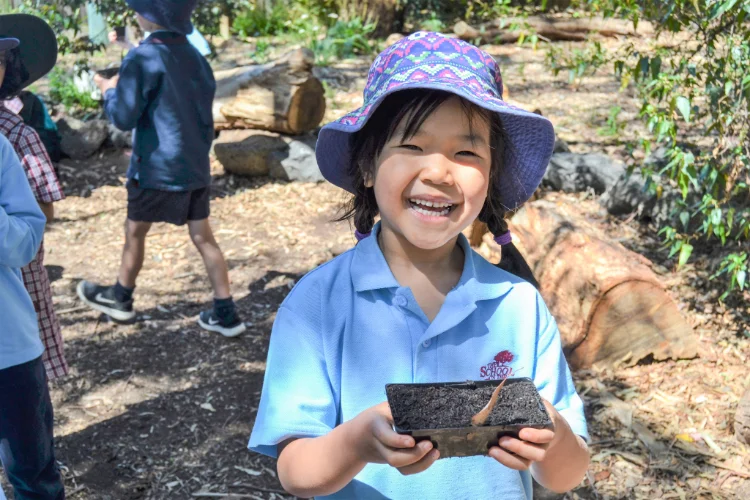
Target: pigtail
<point>365,209</point>
<point>511,259</point>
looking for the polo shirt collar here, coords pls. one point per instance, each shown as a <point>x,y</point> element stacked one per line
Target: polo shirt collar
<point>370,271</point>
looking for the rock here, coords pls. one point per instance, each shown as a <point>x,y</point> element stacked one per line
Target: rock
<point>78,139</point>
<point>572,172</point>
<point>630,195</point>
<point>393,38</point>
<point>297,162</point>
<point>257,153</point>
<point>119,139</point>
<point>247,152</point>
<point>561,146</point>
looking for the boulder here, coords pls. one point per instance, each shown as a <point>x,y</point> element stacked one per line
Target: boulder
<point>572,172</point>
<point>119,139</point>
<point>257,153</point>
<point>78,139</point>
<point>630,194</point>
<point>246,152</point>
<point>297,162</point>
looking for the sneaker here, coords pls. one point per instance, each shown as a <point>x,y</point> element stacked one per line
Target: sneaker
<point>102,298</point>
<point>208,320</point>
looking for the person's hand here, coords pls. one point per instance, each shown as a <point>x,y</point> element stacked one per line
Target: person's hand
<point>379,443</point>
<point>105,84</point>
<point>531,445</point>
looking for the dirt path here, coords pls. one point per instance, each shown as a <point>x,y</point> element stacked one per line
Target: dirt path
<point>161,409</point>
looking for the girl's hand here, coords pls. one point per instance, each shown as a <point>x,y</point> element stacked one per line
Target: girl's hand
<point>380,444</point>
<point>531,445</point>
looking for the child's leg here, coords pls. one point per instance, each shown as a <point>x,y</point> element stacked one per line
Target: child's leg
<point>223,318</point>
<point>133,252</point>
<point>216,266</point>
<point>26,444</point>
<point>117,301</point>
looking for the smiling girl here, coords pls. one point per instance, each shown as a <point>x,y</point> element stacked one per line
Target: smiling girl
<point>433,148</point>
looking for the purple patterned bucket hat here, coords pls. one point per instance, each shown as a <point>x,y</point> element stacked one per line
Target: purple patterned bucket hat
<point>433,61</point>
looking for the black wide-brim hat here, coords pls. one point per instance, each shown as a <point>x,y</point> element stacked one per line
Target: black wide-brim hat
<point>173,15</point>
<point>38,47</point>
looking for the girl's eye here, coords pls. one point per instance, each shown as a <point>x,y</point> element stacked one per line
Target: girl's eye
<point>410,147</point>
<point>468,153</point>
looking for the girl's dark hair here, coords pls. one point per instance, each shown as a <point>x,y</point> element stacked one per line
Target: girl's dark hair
<point>413,107</point>
<point>15,74</point>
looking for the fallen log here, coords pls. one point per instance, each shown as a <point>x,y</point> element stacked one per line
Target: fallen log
<point>281,96</point>
<point>503,35</point>
<point>509,30</point>
<point>609,305</point>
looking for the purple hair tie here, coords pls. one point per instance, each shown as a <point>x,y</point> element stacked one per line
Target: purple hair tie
<point>504,238</point>
<point>360,236</point>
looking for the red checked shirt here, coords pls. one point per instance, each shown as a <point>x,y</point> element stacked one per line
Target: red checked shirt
<point>47,189</point>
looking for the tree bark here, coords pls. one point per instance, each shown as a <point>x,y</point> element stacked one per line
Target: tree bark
<point>609,305</point>
<point>281,96</point>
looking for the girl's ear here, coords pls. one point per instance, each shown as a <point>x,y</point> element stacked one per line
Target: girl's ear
<point>369,180</point>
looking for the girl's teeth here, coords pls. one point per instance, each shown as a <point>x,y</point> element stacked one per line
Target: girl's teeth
<point>431,213</point>
<point>430,203</point>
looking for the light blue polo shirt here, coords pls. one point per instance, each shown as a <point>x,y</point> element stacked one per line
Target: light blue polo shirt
<point>347,329</point>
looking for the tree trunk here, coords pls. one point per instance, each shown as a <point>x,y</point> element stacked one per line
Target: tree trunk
<point>282,96</point>
<point>609,305</point>
<point>385,13</point>
<point>742,419</point>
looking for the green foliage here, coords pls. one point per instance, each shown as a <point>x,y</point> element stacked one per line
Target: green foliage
<point>434,23</point>
<point>695,102</point>
<point>344,39</point>
<point>613,126</point>
<point>254,21</point>
<point>63,90</point>
<point>577,62</point>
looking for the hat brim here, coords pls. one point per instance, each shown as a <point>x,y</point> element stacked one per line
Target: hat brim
<point>530,140</point>
<point>38,44</point>
<point>146,9</point>
<point>8,44</point>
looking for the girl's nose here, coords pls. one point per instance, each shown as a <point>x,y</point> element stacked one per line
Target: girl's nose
<point>437,169</point>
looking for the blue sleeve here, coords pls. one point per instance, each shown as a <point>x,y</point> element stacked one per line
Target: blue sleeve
<point>552,375</point>
<point>139,76</point>
<point>297,399</point>
<point>21,220</point>
<point>199,42</point>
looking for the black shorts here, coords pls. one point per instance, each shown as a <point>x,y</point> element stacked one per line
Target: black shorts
<point>175,207</point>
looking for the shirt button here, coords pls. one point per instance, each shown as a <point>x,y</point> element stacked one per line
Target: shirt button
<point>426,343</point>
<point>400,300</point>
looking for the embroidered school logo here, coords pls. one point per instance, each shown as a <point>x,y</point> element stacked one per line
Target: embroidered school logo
<point>499,368</point>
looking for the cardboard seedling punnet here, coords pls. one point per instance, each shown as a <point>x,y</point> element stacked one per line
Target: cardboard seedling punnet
<point>442,413</point>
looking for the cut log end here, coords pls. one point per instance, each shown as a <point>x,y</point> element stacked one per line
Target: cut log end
<point>306,109</point>
<point>633,321</point>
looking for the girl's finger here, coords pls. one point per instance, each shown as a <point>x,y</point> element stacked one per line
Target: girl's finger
<point>406,456</point>
<point>422,465</point>
<point>508,459</point>
<point>384,433</point>
<point>528,451</point>
<point>538,436</point>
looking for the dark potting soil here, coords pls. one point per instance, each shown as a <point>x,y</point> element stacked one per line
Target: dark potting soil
<point>442,406</point>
